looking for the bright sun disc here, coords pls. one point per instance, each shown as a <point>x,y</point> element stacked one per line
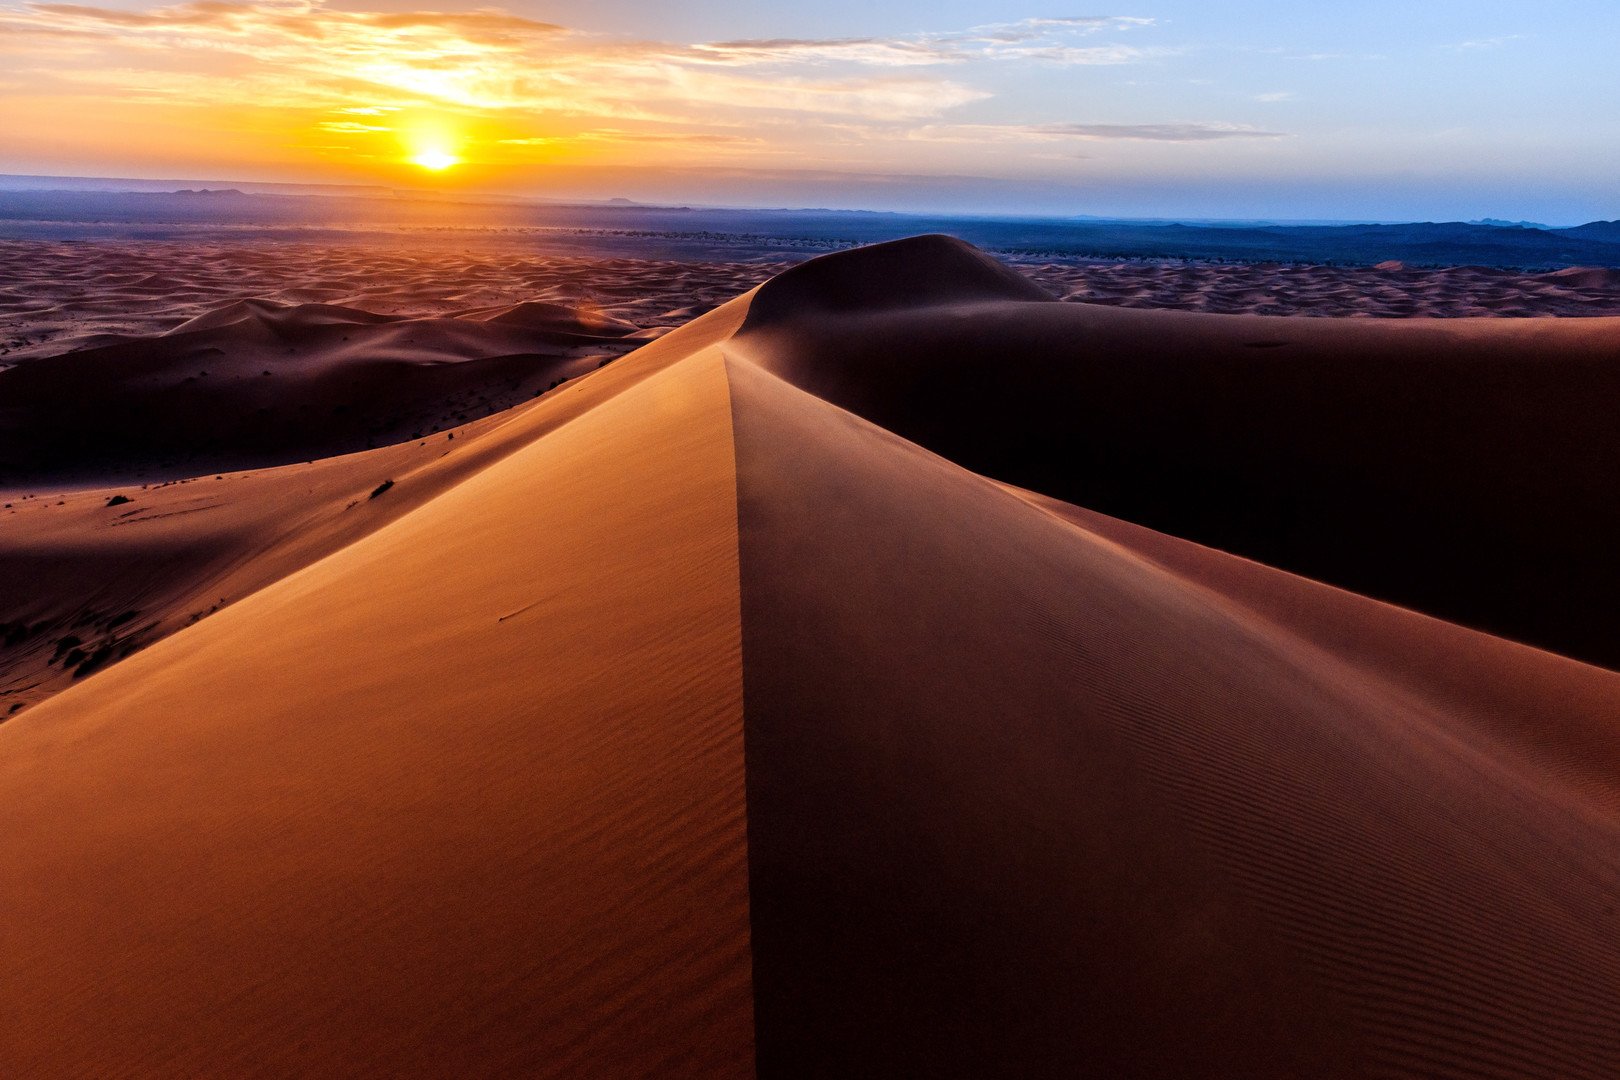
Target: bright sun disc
<point>435,159</point>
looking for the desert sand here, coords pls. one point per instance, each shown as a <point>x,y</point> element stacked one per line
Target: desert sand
<point>57,296</point>
<point>1388,290</point>
<point>892,672</point>
<point>126,360</point>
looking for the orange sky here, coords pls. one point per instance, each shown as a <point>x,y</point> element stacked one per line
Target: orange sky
<point>1379,108</point>
<point>300,88</point>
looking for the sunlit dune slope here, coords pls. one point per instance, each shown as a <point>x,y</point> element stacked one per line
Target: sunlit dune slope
<point>710,728</point>
<point>464,798</point>
<point>97,575</point>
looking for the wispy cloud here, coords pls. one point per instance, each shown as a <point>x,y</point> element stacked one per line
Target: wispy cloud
<point>875,52</point>
<point>1157,132</point>
<point>1027,29</point>
<point>610,135</point>
<point>349,127</point>
<point>1040,39</point>
<point>1164,133</point>
<point>1081,55</point>
<point>1480,44</point>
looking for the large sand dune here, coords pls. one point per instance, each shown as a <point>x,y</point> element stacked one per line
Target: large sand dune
<point>1462,466</point>
<point>733,712</point>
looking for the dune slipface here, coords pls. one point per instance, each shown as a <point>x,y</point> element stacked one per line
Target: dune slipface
<point>741,716</point>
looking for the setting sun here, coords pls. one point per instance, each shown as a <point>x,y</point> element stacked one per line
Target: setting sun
<point>434,158</point>
<point>431,142</point>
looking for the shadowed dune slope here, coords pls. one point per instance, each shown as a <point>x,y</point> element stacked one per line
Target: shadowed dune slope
<point>1464,467</point>
<point>709,728</point>
<point>1023,801</point>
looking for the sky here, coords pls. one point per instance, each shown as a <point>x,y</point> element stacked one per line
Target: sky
<point>1360,109</point>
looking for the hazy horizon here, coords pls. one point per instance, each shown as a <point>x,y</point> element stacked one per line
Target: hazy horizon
<point>25,182</point>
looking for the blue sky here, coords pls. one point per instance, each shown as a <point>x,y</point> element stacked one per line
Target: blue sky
<point>1367,110</point>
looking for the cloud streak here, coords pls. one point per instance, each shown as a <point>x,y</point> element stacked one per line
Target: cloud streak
<point>873,52</point>
<point>1156,132</point>
<point>1482,44</point>
<point>1039,39</point>
<point>1161,133</point>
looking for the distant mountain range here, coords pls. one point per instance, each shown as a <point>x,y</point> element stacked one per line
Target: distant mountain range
<point>1499,223</point>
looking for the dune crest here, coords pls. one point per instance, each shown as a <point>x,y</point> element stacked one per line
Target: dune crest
<point>271,317</point>
<point>736,714</point>
<point>918,273</point>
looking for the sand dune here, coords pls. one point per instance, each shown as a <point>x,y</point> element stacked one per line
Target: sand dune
<point>58,297</point>
<point>1459,466</point>
<point>141,361</point>
<point>1023,801</point>
<point>256,383</point>
<point>126,362</point>
<point>99,574</point>
<point>1388,290</point>
<point>512,846</point>
<point>733,713</point>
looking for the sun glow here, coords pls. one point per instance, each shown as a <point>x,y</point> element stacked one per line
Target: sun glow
<point>431,141</point>
<point>434,158</point>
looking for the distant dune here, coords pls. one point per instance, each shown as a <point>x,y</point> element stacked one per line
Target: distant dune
<point>1388,290</point>
<point>130,362</point>
<point>260,383</point>
<point>836,686</point>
